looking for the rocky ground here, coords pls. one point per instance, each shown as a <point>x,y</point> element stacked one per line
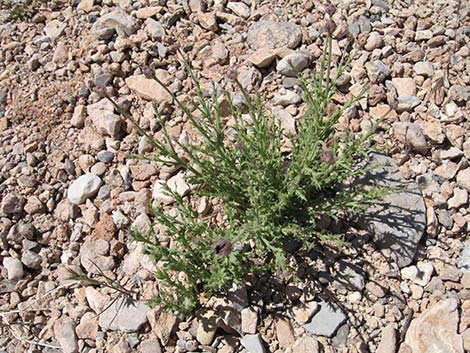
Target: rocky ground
<point>70,191</point>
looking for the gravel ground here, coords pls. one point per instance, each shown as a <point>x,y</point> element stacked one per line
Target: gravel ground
<point>70,191</point>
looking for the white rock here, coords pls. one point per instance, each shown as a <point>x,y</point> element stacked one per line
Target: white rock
<point>239,8</point>
<point>305,344</point>
<point>206,328</point>
<point>460,198</point>
<point>404,86</point>
<point>253,343</point>
<point>85,187</point>
<point>14,268</point>
<point>154,28</point>
<point>148,88</point>
<point>116,20</point>
<point>388,342</point>
<point>124,314</point>
<point>286,97</point>
<point>54,29</point>
<point>424,68</point>
<point>64,332</point>
<point>292,64</point>
<point>249,320</point>
<point>419,274</point>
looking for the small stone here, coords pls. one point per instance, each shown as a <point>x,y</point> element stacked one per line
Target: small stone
<point>14,268</point>
<point>411,135</point>
<point>374,41</point>
<point>86,5</point>
<point>149,88</point>
<point>105,228</point>
<point>451,153</point>
<point>466,148</point>
<point>376,289</point>
<point>464,259</point>
<point>388,342</point>
<point>262,58</point>
<point>88,326</point>
<point>83,188</point>
<point>143,172</point>
<point>54,29</point>
<point>78,117</point>
<point>407,103</point>
<point>377,71</point>
<point>459,199</point>
<point>239,9</point>
<point>420,274</point>
<point>326,321</point>
<point>253,343</point>
<point>93,256</point>
<point>155,29</point>
<point>349,276</point>
<point>105,156</point>
<point>124,314</point>
<point>12,204</point>
<point>383,111</point>
<point>404,86</point>
<point>424,68</point>
<point>208,21</point>
<point>463,179</point>
<point>423,35</point>
<point>64,332</point>
<point>305,344</point>
<point>292,64</point>
<point>274,35</point>
<point>31,260</point>
<point>249,320</point>
<point>206,328</point>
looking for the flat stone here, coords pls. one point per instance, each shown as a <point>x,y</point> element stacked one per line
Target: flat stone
<point>249,318</point>
<point>305,344</point>
<point>423,68</point>
<point>93,258</point>
<point>326,321</point>
<point>155,29</point>
<point>411,135</point>
<point>435,330</point>
<point>303,312</point>
<point>31,260</point>
<point>404,86</point>
<point>150,346</point>
<point>397,221</point>
<point>88,326</point>
<point>83,188</point>
<point>262,58</point>
<point>162,323</point>
<point>459,199</point>
<point>284,333</point>
<point>274,35</point>
<point>12,204</point>
<point>253,344</point>
<point>374,41</point>
<point>148,89</point>
<point>349,276</point>
<point>286,97</point>
<point>239,9</point>
<point>463,179</point>
<point>419,274</point>
<point>125,314</point>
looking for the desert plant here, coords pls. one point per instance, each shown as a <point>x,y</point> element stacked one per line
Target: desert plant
<point>268,195</point>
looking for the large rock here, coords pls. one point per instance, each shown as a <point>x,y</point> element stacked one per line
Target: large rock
<point>326,321</point>
<point>274,35</point>
<point>124,314</point>
<point>83,188</point>
<point>398,220</point>
<point>116,21</point>
<point>435,330</point>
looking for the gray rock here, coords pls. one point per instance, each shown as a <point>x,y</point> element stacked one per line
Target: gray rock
<point>93,256</point>
<point>85,187</point>
<point>407,103</point>
<point>54,29</point>
<point>326,321</point>
<point>377,71</point>
<point>274,35</point>
<point>105,156</point>
<point>398,220</point>
<point>349,276</point>
<point>464,259</point>
<point>286,97</point>
<point>292,64</point>
<point>423,68</point>
<point>253,343</point>
<point>14,268</point>
<point>31,259</point>
<point>125,314</point>
<point>341,337</point>
<point>155,29</point>
<point>411,135</point>
<point>239,8</point>
<point>115,21</point>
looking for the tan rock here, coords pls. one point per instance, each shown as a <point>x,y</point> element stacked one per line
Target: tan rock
<point>284,333</point>
<point>88,327</point>
<point>404,86</point>
<point>262,58</point>
<point>162,324</point>
<point>148,88</point>
<point>305,344</point>
<point>435,330</point>
<point>105,228</point>
<point>382,111</point>
<point>208,21</point>
<point>388,342</point>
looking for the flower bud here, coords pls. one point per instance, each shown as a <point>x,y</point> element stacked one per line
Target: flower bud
<point>100,90</point>
<point>148,71</point>
<point>330,26</point>
<point>222,247</point>
<point>327,156</point>
<point>330,9</point>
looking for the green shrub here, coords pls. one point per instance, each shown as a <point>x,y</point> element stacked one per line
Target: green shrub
<point>268,196</point>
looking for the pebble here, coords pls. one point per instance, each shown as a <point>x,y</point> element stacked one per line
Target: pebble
<point>424,68</point>
<point>148,89</point>
<point>54,29</point>
<point>463,179</point>
<point>286,97</point>
<point>249,318</point>
<point>105,156</point>
<point>31,260</point>
<point>14,268</point>
<point>239,9</point>
<point>114,21</point>
<point>420,274</point>
<point>64,332</point>
<point>83,188</point>
<point>262,58</point>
